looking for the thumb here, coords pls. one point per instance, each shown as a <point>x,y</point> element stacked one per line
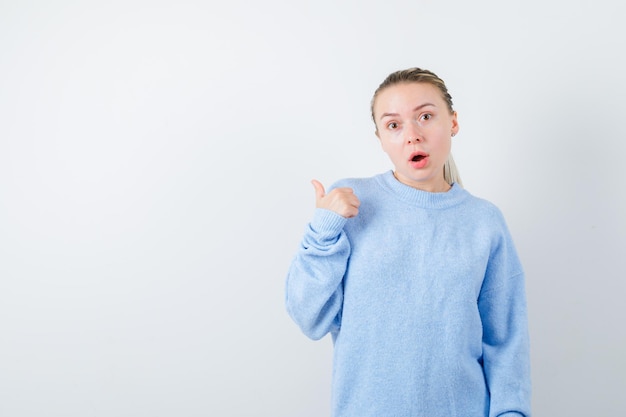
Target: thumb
<point>319,189</point>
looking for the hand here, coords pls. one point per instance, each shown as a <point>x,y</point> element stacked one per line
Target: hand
<point>342,200</point>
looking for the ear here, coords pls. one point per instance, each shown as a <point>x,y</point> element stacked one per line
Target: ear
<point>380,141</point>
<point>455,124</point>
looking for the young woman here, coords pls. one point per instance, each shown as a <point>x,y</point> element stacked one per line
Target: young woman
<point>417,280</point>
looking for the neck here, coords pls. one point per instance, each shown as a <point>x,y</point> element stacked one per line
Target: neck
<point>438,185</point>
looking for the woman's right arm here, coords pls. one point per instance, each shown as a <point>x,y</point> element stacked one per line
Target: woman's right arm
<point>314,293</point>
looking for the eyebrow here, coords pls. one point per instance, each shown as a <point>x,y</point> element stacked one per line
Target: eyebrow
<point>414,110</point>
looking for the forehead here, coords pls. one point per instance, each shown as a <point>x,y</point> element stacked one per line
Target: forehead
<point>398,96</point>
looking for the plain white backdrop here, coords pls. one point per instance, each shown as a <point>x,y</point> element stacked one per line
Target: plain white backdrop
<point>155,159</point>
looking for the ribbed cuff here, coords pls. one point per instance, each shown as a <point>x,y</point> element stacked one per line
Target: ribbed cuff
<point>327,224</point>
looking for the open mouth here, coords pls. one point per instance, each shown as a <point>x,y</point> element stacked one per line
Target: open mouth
<point>418,156</point>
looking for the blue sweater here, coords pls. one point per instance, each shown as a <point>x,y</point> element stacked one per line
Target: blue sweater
<point>423,294</point>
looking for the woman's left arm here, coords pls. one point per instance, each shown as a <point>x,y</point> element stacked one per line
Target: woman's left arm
<point>503,311</point>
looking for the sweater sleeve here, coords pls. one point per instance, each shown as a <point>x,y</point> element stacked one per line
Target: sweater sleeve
<point>314,293</point>
<point>506,358</point>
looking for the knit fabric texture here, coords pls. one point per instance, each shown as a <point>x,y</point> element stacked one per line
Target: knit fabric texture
<point>423,295</point>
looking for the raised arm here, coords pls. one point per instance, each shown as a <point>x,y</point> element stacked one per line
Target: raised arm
<point>314,293</point>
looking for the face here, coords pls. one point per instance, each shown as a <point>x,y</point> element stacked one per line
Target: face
<point>415,127</point>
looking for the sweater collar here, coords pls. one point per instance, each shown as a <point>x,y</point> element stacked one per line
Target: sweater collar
<point>424,199</point>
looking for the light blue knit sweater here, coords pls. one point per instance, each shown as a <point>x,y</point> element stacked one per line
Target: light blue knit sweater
<point>423,294</point>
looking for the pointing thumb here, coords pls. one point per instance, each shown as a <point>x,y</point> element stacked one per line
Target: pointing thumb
<point>319,189</point>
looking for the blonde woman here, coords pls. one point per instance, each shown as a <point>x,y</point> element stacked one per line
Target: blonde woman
<point>417,281</point>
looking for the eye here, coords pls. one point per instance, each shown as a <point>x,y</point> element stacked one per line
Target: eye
<point>392,125</point>
<point>426,116</point>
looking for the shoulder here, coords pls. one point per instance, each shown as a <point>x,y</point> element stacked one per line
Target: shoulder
<point>484,210</point>
<point>358,184</point>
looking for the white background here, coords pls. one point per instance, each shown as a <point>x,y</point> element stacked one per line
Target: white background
<point>155,159</point>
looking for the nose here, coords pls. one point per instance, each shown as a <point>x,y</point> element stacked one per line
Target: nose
<point>413,133</point>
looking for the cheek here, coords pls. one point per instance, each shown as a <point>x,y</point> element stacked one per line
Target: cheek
<point>392,150</point>
<point>392,142</point>
<point>395,137</point>
<point>445,141</point>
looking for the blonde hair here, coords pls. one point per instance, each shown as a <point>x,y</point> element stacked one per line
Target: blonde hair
<point>418,75</point>
<point>450,171</point>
